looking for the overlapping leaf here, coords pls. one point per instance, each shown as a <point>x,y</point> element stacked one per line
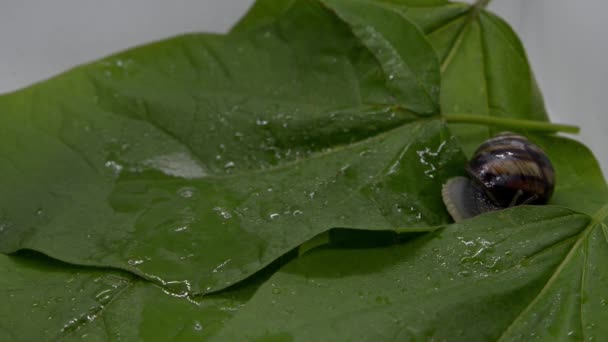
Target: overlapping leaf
<point>197,161</point>
<point>464,282</point>
<point>484,68</point>
<point>49,300</point>
<point>523,273</point>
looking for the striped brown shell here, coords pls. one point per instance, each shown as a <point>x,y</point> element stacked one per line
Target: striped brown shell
<point>512,171</point>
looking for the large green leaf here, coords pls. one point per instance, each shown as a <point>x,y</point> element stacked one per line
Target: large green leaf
<point>529,272</point>
<point>471,281</point>
<point>484,68</point>
<point>197,161</point>
<point>48,300</point>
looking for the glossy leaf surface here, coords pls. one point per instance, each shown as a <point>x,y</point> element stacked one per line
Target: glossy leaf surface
<point>189,170</point>
<point>49,300</point>
<point>493,276</point>
<point>484,68</point>
<point>197,161</point>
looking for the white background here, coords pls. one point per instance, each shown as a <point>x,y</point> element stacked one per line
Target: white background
<point>565,41</point>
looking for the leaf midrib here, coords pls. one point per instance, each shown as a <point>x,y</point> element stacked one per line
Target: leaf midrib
<point>101,308</point>
<point>470,18</point>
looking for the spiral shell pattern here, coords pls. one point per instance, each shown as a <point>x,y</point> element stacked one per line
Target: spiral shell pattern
<point>512,171</point>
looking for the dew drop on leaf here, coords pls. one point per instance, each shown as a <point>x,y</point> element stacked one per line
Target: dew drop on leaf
<point>224,213</point>
<point>135,262</point>
<point>261,122</point>
<point>114,166</point>
<point>187,192</point>
<point>181,228</point>
<point>198,326</point>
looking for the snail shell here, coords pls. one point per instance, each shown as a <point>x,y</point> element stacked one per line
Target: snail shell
<point>505,171</point>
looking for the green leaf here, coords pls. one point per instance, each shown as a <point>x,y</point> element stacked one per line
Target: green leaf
<point>465,282</point>
<point>197,161</point>
<point>526,272</point>
<point>49,300</point>
<point>572,303</point>
<point>201,163</point>
<point>580,183</point>
<point>484,68</point>
<point>391,39</point>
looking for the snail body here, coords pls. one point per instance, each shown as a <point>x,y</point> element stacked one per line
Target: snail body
<point>506,170</point>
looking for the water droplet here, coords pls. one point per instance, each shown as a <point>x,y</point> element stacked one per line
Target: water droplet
<point>464,273</point>
<point>219,267</point>
<point>198,326</point>
<point>276,290</point>
<point>135,262</point>
<point>223,212</point>
<point>297,212</point>
<point>176,164</point>
<point>186,192</point>
<point>261,122</point>
<point>427,156</point>
<point>274,216</point>
<point>114,166</point>
<point>39,212</point>
<point>571,333</point>
<point>311,195</point>
<point>181,228</point>
<point>229,165</point>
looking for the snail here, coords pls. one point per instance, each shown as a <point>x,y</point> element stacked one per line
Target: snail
<point>505,171</point>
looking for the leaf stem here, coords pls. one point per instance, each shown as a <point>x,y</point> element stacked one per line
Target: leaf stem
<point>528,125</point>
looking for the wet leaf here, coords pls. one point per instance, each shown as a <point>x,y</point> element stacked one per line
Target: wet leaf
<point>176,177</point>
<point>197,161</point>
<point>49,300</point>
<point>512,274</point>
<point>484,68</point>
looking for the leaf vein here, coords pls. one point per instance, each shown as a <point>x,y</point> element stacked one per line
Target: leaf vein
<point>599,216</point>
